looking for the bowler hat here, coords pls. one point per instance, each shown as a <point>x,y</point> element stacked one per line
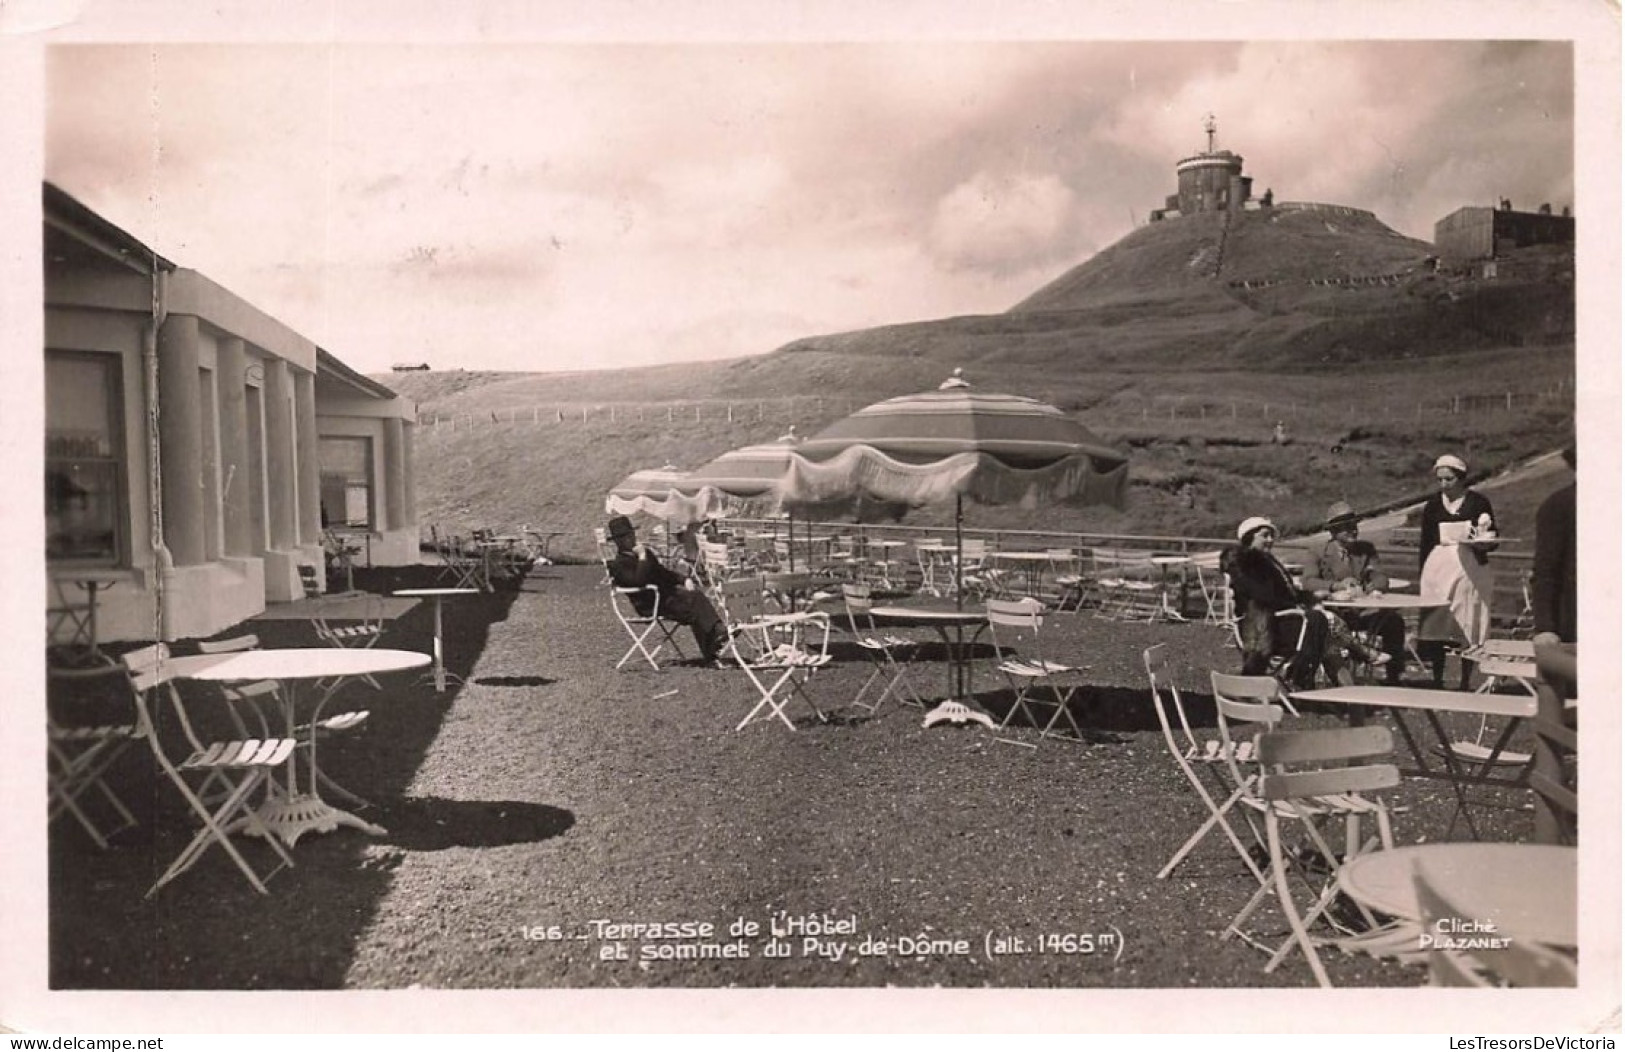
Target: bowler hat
<point>621,526</point>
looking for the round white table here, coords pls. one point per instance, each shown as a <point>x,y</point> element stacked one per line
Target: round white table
<point>1384,601</point>
<point>295,812</point>
<point>1030,565</point>
<point>83,651</point>
<point>437,594</point>
<point>1528,891</point>
<point>950,624</point>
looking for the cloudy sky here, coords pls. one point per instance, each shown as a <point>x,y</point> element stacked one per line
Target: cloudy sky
<point>587,205</point>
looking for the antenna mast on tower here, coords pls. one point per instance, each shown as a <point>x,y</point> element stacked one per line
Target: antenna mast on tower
<point>1210,124</point>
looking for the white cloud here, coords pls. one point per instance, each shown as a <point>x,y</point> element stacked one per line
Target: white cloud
<point>607,202</point>
<point>1001,223</point>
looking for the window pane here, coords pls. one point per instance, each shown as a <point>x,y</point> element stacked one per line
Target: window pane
<point>346,482</point>
<point>82,459</point>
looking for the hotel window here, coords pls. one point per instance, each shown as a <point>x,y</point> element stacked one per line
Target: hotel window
<point>84,462</point>
<point>347,482</point>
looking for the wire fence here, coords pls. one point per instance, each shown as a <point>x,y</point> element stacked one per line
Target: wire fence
<point>1123,412</point>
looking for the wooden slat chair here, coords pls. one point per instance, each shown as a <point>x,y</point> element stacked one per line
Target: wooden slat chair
<point>241,766</point>
<point>1019,650</point>
<point>1308,780</point>
<point>779,653</point>
<point>1191,753</point>
<point>1519,963</point>
<point>1066,571</point>
<point>891,654</point>
<point>1249,708</point>
<point>356,633</point>
<point>255,706</point>
<point>1129,584</point>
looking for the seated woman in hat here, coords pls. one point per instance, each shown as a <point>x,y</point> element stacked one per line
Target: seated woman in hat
<point>1270,609</point>
<point>633,566</point>
<point>1348,564</point>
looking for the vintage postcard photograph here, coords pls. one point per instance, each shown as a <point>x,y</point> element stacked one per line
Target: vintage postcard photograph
<point>766,518</point>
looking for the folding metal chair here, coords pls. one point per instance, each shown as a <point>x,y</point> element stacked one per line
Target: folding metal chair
<point>1066,570</point>
<point>360,632</point>
<point>1018,649</point>
<point>1215,588</point>
<point>79,759</point>
<point>779,653</point>
<point>643,629</point>
<point>241,766</point>
<point>1306,781</point>
<point>253,699</point>
<point>1191,753</point>
<point>890,654</point>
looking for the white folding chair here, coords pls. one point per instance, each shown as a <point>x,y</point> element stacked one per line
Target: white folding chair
<point>1215,588</point>
<point>779,653</point>
<point>363,631</point>
<point>1015,627</point>
<point>643,629</point>
<point>1191,753</point>
<point>1066,570</point>
<point>1305,780</point>
<point>79,759</point>
<point>890,654</point>
<point>242,766</point>
<point>977,573</point>
<point>253,698</point>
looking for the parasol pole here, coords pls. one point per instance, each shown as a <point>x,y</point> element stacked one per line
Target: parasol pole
<point>959,553</point>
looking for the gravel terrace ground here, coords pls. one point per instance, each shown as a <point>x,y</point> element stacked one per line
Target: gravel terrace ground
<point>552,792</point>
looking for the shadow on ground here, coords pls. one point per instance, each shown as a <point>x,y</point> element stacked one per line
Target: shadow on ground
<point>203,930</point>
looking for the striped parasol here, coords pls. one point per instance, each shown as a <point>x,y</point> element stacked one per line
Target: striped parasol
<point>649,491</point>
<point>743,481</point>
<point>955,443</point>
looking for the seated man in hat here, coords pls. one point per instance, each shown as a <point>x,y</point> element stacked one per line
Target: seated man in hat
<point>1348,565</point>
<point>634,566</point>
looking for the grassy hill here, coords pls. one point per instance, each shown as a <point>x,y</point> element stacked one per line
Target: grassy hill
<point>1184,343</point>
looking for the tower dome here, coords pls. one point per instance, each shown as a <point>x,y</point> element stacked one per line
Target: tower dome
<point>1210,181</point>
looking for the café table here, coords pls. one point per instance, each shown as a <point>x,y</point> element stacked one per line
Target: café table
<point>1434,704</point>
<point>294,810</point>
<point>936,560</point>
<point>438,594</point>
<point>878,558</point>
<point>1167,565</point>
<point>81,652</point>
<point>1529,892</point>
<point>1030,566</point>
<point>1371,602</point>
<point>950,624</point>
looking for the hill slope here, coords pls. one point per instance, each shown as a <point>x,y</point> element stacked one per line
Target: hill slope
<point>1184,342</point>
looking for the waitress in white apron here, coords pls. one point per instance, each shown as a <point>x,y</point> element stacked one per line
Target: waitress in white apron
<point>1456,521</point>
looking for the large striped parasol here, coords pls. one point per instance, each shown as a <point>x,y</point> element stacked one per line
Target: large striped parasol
<point>649,491</point>
<point>955,443</point>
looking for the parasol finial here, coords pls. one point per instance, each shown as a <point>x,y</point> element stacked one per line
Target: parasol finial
<point>956,380</point>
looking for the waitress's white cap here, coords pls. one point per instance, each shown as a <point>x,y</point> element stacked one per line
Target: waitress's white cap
<point>1456,464</point>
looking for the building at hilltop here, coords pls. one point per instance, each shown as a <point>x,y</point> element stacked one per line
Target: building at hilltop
<point>1212,181</point>
<point>1479,233</point>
